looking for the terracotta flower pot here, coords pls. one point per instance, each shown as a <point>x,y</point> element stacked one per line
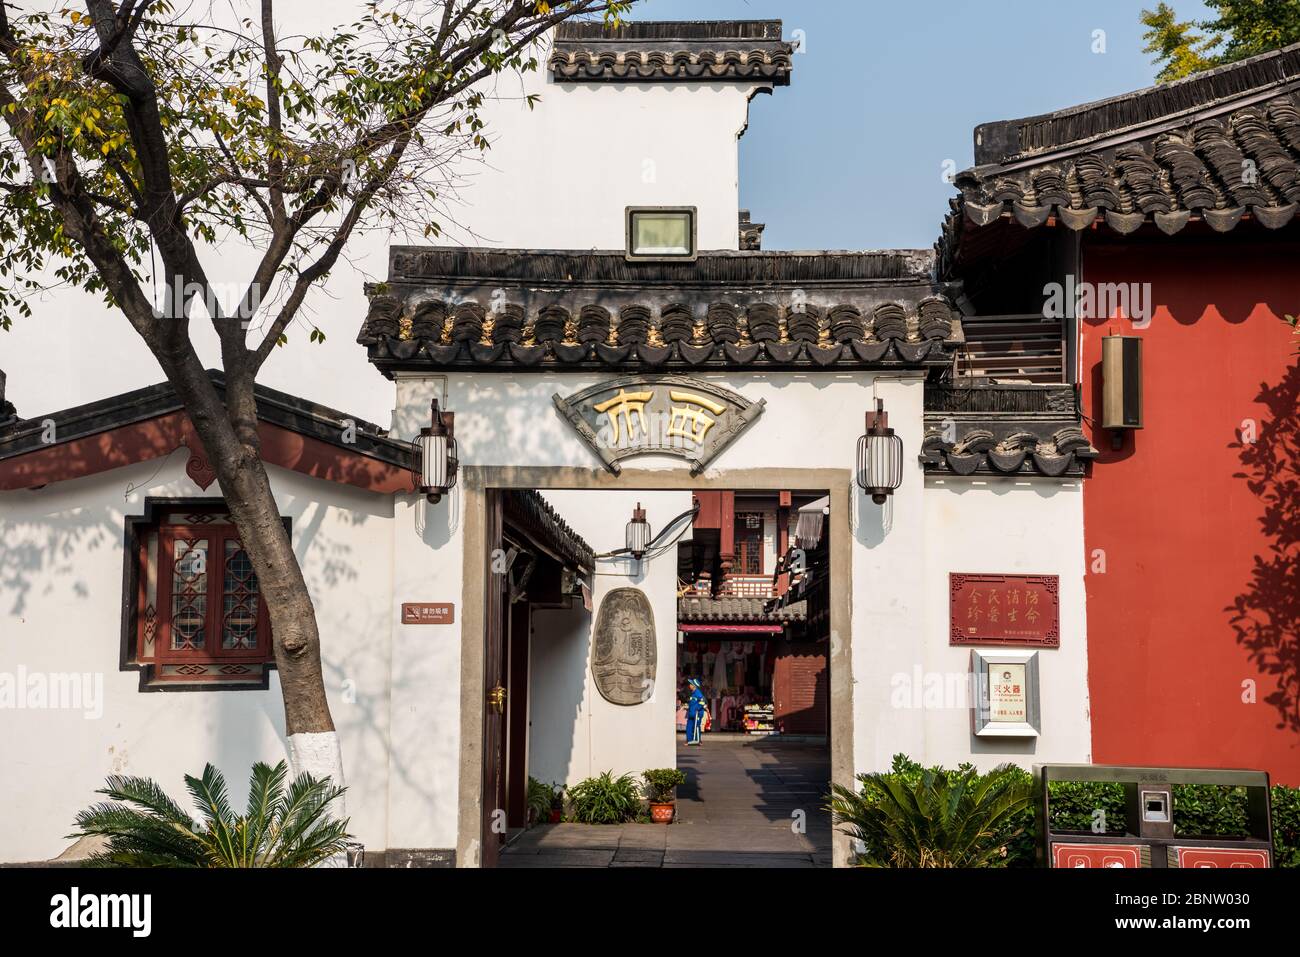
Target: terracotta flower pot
<point>661,813</point>
<point>557,815</point>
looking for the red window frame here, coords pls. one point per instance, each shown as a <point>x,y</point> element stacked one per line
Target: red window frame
<point>211,653</point>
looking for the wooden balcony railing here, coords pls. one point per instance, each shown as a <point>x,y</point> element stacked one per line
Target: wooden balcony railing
<point>748,586</point>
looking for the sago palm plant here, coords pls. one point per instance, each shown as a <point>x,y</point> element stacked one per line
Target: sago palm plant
<point>936,818</point>
<point>283,826</point>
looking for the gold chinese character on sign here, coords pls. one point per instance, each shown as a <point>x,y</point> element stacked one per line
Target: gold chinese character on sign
<point>620,410</point>
<point>692,423</point>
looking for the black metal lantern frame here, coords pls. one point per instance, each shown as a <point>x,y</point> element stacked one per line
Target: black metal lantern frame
<point>638,533</point>
<point>880,457</point>
<point>435,463</point>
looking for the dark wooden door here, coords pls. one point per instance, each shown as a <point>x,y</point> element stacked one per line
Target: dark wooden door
<point>494,689</point>
<point>801,688</point>
<point>517,715</point>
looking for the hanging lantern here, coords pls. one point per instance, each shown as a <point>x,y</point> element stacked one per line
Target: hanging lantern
<point>638,533</point>
<point>435,464</point>
<point>880,457</point>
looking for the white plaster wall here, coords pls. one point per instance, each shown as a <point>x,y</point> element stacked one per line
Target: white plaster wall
<point>599,736</point>
<point>1013,527</point>
<point>557,177</point>
<point>60,611</point>
<point>811,420</point>
<point>900,554</point>
<point>559,750</point>
<point>424,767</point>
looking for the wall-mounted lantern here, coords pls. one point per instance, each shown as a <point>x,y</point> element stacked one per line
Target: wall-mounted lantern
<point>638,533</point>
<point>436,464</point>
<point>880,457</point>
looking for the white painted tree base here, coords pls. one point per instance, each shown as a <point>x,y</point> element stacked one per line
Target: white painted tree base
<point>319,754</point>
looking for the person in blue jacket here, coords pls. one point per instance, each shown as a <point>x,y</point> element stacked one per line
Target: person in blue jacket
<point>696,712</point>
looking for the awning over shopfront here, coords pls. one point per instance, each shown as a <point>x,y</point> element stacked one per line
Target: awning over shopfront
<point>812,518</point>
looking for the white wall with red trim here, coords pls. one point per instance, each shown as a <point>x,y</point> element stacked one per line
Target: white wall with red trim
<point>61,596</point>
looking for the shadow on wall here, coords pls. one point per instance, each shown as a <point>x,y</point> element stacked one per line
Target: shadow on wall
<point>37,553</point>
<point>1266,616</point>
<point>560,650</point>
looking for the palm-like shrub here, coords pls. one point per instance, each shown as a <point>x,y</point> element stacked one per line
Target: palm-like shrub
<point>283,826</point>
<point>605,799</point>
<point>935,818</point>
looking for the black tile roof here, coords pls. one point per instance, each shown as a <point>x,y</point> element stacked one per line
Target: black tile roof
<point>697,608</point>
<point>449,308</point>
<point>985,428</point>
<point>1219,146</point>
<point>536,518</point>
<point>671,51</point>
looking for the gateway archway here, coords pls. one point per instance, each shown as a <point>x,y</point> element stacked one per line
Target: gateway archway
<point>741,779</point>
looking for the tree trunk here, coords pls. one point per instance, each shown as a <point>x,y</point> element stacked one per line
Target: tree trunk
<point>229,436</point>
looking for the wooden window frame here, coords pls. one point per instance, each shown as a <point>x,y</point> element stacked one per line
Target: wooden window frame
<point>212,653</point>
<point>145,589</point>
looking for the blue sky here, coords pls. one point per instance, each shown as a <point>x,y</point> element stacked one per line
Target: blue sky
<point>850,155</point>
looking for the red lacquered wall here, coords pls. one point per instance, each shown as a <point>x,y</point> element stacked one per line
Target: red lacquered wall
<point>1172,634</point>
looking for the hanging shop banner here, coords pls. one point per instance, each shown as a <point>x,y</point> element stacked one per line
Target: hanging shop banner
<point>1004,610</point>
<point>658,415</point>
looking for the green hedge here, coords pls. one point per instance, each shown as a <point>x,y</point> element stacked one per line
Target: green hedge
<point>1199,810</point>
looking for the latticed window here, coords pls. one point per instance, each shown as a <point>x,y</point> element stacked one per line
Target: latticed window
<point>749,543</point>
<point>200,618</point>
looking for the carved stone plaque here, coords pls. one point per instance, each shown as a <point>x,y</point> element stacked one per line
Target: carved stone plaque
<point>626,650</point>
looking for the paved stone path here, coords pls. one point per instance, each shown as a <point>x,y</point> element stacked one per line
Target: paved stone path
<point>736,809</point>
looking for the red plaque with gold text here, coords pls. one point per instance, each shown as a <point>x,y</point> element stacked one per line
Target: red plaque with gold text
<point>1004,610</point>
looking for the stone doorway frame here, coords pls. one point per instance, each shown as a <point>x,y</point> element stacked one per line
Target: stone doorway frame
<point>477,480</point>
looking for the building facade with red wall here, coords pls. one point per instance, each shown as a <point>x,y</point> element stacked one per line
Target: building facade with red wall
<point>1167,215</point>
<point>1190,525</point>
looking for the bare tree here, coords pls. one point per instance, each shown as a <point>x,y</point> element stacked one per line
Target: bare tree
<point>136,128</point>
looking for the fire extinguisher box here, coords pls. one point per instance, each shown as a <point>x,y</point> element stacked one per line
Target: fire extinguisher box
<point>1151,835</point>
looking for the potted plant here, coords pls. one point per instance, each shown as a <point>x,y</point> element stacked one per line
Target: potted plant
<point>545,802</point>
<point>659,785</point>
<point>557,804</point>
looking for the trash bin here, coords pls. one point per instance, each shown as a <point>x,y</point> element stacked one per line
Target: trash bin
<point>1152,837</point>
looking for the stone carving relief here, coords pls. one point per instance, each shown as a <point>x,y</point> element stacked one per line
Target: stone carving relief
<point>626,651</point>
